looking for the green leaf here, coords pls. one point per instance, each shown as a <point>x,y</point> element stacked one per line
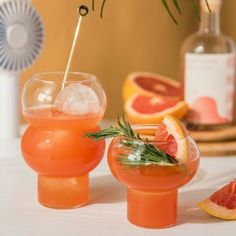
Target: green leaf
<point>195,9</point>
<point>128,127</point>
<point>175,2</point>
<point>142,152</point>
<point>164,2</point>
<point>209,9</point>
<point>102,8</point>
<point>93,5</point>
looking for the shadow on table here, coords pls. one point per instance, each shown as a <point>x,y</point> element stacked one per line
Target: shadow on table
<point>198,177</point>
<point>106,189</point>
<point>222,178</point>
<point>188,210</point>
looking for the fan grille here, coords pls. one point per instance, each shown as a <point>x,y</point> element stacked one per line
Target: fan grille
<point>21,13</point>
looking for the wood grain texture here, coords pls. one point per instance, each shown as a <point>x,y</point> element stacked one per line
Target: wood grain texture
<point>217,148</point>
<point>225,134</point>
<point>220,142</point>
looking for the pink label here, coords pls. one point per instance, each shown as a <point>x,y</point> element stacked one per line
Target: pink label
<point>209,87</point>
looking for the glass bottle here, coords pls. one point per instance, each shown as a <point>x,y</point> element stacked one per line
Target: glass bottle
<point>208,72</point>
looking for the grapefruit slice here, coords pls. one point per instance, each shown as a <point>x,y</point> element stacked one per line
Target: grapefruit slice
<point>143,110</point>
<point>150,84</point>
<point>222,204</point>
<point>171,137</point>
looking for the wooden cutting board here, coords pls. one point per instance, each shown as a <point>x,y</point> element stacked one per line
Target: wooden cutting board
<point>216,142</point>
<point>226,134</point>
<point>217,148</point>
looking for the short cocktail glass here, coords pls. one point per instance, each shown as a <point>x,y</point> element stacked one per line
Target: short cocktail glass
<point>59,114</point>
<point>152,189</point>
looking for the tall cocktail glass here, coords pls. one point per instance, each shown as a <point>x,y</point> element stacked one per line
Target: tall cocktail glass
<point>59,114</point>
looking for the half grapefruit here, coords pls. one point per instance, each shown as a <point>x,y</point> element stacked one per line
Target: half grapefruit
<point>150,84</point>
<point>222,204</point>
<point>143,110</point>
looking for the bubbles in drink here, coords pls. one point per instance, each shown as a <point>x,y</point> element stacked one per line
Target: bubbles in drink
<point>77,99</point>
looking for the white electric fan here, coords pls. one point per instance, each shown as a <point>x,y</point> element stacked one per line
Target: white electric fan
<point>21,40</point>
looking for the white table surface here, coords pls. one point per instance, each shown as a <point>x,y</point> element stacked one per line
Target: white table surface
<point>21,214</point>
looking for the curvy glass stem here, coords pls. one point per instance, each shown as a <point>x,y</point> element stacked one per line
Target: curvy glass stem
<point>63,192</point>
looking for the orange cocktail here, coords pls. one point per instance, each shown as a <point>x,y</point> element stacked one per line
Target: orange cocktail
<point>54,144</point>
<point>152,187</point>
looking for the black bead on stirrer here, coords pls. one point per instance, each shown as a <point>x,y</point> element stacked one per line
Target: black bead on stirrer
<point>83,11</point>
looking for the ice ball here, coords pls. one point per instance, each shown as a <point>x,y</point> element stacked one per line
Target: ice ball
<point>77,99</point>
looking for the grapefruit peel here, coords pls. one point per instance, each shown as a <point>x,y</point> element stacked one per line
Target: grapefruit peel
<point>131,86</point>
<point>175,129</point>
<point>222,204</point>
<point>178,110</point>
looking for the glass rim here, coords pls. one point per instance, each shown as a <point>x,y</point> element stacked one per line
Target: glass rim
<point>85,77</point>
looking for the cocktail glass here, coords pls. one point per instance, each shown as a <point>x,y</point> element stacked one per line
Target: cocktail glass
<point>152,189</point>
<point>59,114</point>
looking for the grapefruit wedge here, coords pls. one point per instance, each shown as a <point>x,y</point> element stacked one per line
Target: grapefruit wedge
<point>143,110</point>
<point>171,137</point>
<point>222,204</point>
<point>150,84</point>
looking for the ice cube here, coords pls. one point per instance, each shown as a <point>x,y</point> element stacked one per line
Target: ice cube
<point>77,99</point>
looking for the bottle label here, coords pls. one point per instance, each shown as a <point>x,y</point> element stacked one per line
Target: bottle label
<point>209,87</point>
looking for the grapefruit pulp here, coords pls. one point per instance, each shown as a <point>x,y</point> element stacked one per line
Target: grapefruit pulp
<point>150,84</point>
<point>222,204</point>
<point>142,109</point>
<point>171,137</point>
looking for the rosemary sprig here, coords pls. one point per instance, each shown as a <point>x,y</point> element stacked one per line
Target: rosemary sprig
<point>140,153</point>
<point>136,152</point>
<point>123,129</point>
